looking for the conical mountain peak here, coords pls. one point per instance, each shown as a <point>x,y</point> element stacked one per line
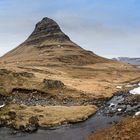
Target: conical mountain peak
<point>46,26</point>
<point>47,29</point>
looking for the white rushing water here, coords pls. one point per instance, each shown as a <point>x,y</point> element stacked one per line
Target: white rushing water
<point>1,106</point>
<point>137,113</point>
<point>136,90</point>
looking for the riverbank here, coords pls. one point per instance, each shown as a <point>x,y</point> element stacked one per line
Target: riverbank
<point>30,118</point>
<point>32,115</point>
<point>120,106</point>
<point>129,127</point>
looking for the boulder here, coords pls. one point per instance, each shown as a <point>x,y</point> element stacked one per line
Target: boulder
<point>33,121</point>
<point>53,83</point>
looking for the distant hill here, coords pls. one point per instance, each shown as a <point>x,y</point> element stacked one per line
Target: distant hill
<point>135,61</point>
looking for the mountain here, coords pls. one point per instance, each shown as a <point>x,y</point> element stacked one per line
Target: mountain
<point>48,53</point>
<point>49,44</point>
<point>48,78</point>
<point>135,61</point>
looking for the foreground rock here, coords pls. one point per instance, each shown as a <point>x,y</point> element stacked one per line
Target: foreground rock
<point>25,118</point>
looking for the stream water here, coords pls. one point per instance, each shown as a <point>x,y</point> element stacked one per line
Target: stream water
<point>111,113</point>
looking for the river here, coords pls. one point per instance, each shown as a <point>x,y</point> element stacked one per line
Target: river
<point>111,113</point>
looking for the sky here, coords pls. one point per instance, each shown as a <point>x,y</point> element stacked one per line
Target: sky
<point>109,28</point>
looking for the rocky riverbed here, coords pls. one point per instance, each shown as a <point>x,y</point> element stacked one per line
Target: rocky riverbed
<point>111,112</point>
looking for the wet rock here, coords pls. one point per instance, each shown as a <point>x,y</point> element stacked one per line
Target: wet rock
<point>13,132</point>
<point>53,83</point>
<point>129,113</point>
<point>109,111</point>
<point>12,115</point>
<point>2,122</point>
<point>33,125</point>
<point>112,105</point>
<point>22,128</point>
<point>31,129</point>
<point>33,121</point>
<point>134,104</point>
<point>119,114</point>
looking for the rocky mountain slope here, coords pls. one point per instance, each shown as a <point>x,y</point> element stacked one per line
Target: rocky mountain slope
<point>48,44</point>
<point>50,70</point>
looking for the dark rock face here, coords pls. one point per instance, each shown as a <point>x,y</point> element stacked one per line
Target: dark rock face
<point>31,92</point>
<point>47,26</point>
<point>12,115</point>
<point>16,74</point>
<point>53,83</point>
<point>47,29</point>
<point>23,74</point>
<point>4,72</point>
<point>33,120</point>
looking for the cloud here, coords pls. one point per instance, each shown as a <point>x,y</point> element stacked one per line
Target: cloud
<point>106,27</point>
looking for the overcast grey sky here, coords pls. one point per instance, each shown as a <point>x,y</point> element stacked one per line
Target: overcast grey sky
<point>109,28</point>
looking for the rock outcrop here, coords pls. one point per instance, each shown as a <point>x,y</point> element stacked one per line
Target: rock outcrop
<point>53,83</point>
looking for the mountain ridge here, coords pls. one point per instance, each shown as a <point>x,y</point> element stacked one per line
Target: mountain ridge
<point>129,60</point>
